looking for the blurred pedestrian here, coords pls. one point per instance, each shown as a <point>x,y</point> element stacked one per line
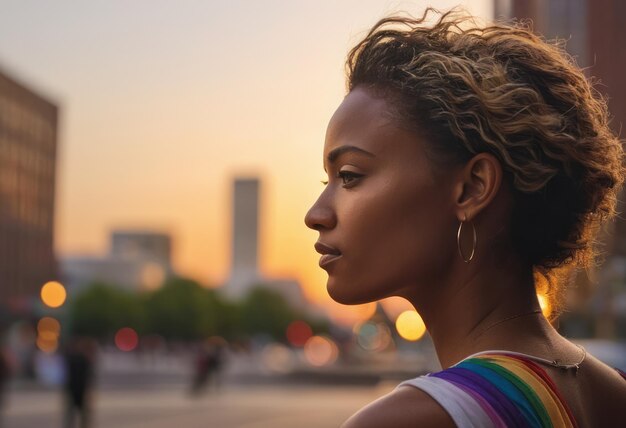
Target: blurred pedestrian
<point>79,365</point>
<point>5,376</point>
<point>208,366</point>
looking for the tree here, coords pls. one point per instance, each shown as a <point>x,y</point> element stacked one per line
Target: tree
<point>102,309</point>
<point>183,309</point>
<point>266,311</point>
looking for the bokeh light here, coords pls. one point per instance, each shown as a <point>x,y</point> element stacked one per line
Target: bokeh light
<point>277,358</point>
<point>298,332</point>
<point>410,325</point>
<point>126,339</point>
<point>372,336</point>
<point>544,304</point>
<point>49,328</point>
<point>394,306</point>
<point>320,351</point>
<point>53,294</point>
<point>46,345</point>
<point>48,331</point>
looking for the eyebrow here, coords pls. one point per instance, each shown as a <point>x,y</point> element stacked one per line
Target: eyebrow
<point>335,153</point>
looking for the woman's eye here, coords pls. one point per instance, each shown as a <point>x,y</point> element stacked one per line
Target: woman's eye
<point>347,177</point>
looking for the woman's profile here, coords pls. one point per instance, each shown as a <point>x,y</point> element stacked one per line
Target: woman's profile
<point>468,167</point>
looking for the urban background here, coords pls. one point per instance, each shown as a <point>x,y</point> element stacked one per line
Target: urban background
<point>156,162</point>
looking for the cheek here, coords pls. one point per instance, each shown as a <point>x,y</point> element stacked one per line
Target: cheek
<point>397,236</point>
<point>411,238</point>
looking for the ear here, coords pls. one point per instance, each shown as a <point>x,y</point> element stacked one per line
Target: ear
<point>478,185</point>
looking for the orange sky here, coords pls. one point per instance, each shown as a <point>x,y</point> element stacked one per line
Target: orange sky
<point>163,103</point>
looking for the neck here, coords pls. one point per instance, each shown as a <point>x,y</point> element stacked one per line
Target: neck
<point>483,307</point>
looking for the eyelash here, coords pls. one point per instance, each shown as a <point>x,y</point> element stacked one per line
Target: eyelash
<point>343,175</point>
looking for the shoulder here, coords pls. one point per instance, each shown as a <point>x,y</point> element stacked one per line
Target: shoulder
<point>404,407</point>
<point>607,380</point>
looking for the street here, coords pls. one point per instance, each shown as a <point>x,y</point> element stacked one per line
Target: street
<point>135,390</point>
<point>236,406</point>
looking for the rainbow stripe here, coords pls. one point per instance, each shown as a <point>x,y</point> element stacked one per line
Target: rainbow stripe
<point>512,391</point>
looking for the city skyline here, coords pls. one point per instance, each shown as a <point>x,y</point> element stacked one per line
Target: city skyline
<point>163,104</point>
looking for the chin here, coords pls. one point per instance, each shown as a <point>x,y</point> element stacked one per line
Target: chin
<point>348,294</point>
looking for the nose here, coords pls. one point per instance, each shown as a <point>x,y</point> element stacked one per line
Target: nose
<point>321,215</point>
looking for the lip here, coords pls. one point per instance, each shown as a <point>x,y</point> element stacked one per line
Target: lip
<point>326,259</point>
<point>329,254</point>
<point>325,249</point>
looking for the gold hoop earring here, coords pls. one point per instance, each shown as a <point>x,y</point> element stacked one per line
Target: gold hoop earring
<point>458,240</point>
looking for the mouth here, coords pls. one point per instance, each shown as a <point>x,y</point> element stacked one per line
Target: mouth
<point>329,254</point>
<point>326,259</point>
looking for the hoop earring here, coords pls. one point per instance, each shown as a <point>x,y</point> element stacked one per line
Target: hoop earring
<point>458,240</point>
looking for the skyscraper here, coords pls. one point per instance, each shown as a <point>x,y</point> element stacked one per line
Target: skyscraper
<point>244,271</point>
<point>28,151</point>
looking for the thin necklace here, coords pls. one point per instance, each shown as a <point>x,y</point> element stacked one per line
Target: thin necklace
<point>538,311</point>
<point>553,363</point>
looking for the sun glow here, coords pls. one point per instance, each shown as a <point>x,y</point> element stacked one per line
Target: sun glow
<point>544,303</point>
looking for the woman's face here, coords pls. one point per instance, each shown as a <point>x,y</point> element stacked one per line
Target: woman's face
<point>386,223</point>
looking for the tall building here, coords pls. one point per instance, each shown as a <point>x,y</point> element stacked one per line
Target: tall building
<point>245,237</point>
<point>28,152</point>
<point>245,273</point>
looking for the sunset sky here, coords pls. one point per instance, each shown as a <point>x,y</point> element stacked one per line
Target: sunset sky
<point>164,102</point>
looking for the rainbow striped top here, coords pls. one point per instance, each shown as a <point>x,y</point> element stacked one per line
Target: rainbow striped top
<point>496,389</point>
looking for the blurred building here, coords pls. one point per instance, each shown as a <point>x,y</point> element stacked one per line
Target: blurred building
<point>595,36</point>
<point>244,271</point>
<point>137,260</point>
<point>28,152</point>
<point>563,19</point>
<point>595,33</point>
<point>138,244</point>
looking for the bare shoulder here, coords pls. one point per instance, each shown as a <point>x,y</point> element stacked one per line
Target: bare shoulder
<point>606,380</point>
<point>404,407</point>
<point>582,392</point>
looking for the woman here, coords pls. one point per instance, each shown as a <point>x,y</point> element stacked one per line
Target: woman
<point>467,168</point>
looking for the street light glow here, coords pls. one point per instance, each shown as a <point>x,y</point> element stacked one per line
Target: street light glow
<point>410,325</point>
<point>53,294</point>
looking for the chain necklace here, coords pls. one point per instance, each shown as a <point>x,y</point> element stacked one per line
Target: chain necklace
<point>553,363</point>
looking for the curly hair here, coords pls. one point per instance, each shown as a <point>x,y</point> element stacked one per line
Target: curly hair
<point>501,89</point>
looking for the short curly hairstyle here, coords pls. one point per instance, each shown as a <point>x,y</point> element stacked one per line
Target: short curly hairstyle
<point>469,88</point>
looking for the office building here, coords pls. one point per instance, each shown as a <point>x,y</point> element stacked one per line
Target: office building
<point>28,153</point>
